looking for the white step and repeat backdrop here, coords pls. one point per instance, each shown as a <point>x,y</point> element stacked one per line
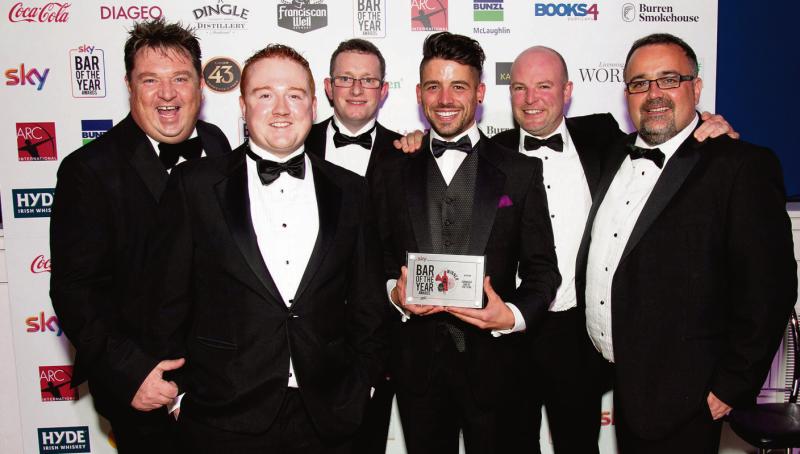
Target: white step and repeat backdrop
<point>63,71</point>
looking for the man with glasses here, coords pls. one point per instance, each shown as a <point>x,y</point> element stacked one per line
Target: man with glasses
<point>352,137</point>
<point>685,267</point>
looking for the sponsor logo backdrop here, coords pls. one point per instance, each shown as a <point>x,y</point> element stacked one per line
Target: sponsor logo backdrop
<point>63,70</point>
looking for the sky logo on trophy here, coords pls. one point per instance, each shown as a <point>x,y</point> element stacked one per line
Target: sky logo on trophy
<point>302,16</point>
<point>92,129</point>
<point>88,71</point>
<point>36,141</point>
<point>428,15</point>
<point>54,382</point>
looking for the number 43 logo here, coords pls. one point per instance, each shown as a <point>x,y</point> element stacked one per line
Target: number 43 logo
<point>222,74</point>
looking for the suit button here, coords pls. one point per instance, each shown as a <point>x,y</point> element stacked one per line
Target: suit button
<point>447,222</point>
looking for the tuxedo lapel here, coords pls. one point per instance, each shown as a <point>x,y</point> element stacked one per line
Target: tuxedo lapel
<point>234,201</point>
<point>329,205</point>
<point>317,139</point>
<point>671,179</point>
<point>383,141</point>
<point>416,187</point>
<point>489,183</point>
<point>144,159</point>
<point>589,156</point>
<point>212,145</point>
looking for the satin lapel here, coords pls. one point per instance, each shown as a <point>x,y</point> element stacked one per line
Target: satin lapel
<point>415,183</point>
<point>317,139</point>
<point>619,154</point>
<point>145,161</point>
<point>489,183</point>
<point>212,145</point>
<point>329,205</point>
<point>588,155</point>
<point>234,201</point>
<point>671,179</point>
<point>382,144</point>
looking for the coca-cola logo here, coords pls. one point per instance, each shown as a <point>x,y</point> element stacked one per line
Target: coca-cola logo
<point>40,265</point>
<point>50,12</point>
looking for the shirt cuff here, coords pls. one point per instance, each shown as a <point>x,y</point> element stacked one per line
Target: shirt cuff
<point>390,285</point>
<point>519,323</point>
<point>176,403</point>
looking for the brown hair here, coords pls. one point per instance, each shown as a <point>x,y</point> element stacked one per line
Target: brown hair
<point>277,51</point>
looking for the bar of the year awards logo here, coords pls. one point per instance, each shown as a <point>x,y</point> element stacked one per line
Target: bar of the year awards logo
<point>445,280</point>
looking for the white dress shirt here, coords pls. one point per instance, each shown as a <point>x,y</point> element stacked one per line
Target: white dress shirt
<point>448,164</point>
<point>613,224</point>
<point>569,200</point>
<point>354,158</point>
<point>286,221</point>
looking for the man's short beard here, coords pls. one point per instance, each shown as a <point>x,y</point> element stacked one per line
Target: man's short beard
<point>654,137</point>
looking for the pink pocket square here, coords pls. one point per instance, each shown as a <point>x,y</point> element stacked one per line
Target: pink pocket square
<point>505,201</point>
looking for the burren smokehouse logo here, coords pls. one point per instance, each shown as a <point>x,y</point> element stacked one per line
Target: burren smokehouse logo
<point>222,18</point>
<point>649,12</point>
<point>49,12</point>
<point>302,16</point>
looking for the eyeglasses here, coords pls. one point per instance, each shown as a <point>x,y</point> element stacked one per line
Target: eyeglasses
<point>664,83</point>
<point>366,82</point>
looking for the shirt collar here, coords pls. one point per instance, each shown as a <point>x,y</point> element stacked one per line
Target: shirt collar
<point>473,133</point>
<point>264,154</point>
<point>343,129</point>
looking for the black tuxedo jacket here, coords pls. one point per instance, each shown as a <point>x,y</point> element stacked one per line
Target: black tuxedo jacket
<point>317,140</point>
<point>514,232</point>
<point>217,305</point>
<point>592,137</point>
<point>705,284</point>
<point>105,205</point>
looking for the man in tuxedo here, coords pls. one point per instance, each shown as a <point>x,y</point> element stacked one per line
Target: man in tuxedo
<point>105,206</point>
<point>352,138</point>
<point>572,151</point>
<point>685,267</point>
<point>454,369</point>
<point>267,280</point>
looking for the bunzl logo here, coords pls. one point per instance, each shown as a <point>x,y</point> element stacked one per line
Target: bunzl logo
<point>131,12</point>
<point>49,12</point>
<point>36,141</point>
<point>92,129</point>
<point>302,16</point>
<point>369,18</point>
<point>64,440</point>
<point>40,264</point>
<point>54,382</point>
<point>428,15</point>
<point>41,324</point>
<point>502,70</point>
<point>487,10</point>
<point>32,203</point>
<point>88,72</point>
<point>222,18</point>
<point>33,77</point>
<point>582,11</point>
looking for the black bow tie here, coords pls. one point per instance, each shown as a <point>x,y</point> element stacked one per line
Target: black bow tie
<point>170,153</point>
<point>653,154</point>
<point>269,171</point>
<point>555,143</point>
<point>438,147</point>
<point>340,140</point>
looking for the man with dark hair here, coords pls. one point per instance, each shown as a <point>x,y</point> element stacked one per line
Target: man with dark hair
<point>104,209</point>
<point>353,138</point>
<point>454,369</point>
<point>268,282</point>
<point>686,268</point>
